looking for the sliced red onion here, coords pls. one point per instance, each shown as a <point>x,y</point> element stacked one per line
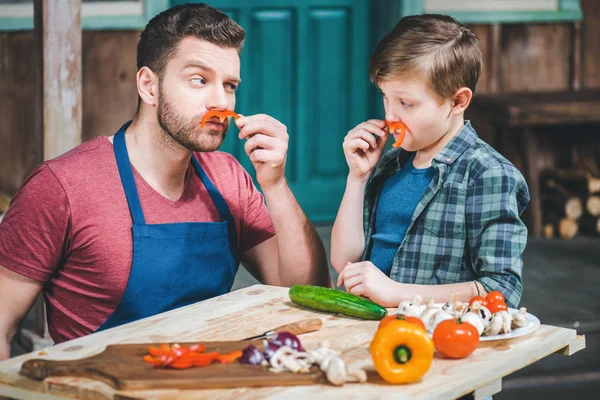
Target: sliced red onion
<point>251,355</point>
<point>287,339</point>
<point>270,349</point>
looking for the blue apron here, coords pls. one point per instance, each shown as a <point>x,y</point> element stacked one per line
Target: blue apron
<point>173,264</point>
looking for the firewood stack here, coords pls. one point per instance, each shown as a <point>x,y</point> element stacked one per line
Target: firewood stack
<point>570,203</point>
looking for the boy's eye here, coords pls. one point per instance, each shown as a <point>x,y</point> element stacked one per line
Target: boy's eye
<point>232,87</point>
<point>405,104</point>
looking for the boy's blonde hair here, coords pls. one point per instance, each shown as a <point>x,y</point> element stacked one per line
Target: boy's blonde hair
<point>440,48</point>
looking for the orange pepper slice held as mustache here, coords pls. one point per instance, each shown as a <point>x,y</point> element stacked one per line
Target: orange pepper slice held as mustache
<point>394,126</point>
<point>220,114</point>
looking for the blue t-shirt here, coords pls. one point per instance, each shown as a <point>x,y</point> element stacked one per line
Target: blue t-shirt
<point>398,200</point>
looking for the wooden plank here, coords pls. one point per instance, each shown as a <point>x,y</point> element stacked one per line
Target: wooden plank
<point>483,33</point>
<point>257,308</point>
<point>576,345</point>
<point>109,83</point>
<point>576,56</point>
<point>535,57</point>
<point>21,148</point>
<point>495,58</point>
<point>591,43</point>
<point>531,109</point>
<point>486,391</point>
<point>529,143</point>
<point>58,33</point>
<point>122,367</point>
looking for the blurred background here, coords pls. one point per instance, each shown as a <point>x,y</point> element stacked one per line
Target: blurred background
<point>65,80</point>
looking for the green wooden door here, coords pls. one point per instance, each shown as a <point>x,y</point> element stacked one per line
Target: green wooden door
<point>306,64</point>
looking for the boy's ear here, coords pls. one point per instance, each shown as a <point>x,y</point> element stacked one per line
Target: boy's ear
<point>147,83</point>
<point>461,100</point>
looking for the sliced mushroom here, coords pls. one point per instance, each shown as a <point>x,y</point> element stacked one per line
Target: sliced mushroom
<point>506,321</point>
<point>519,319</point>
<point>474,319</point>
<point>336,371</point>
<point>438,317</point>
<point>411,308</point>
<point>495,325</point>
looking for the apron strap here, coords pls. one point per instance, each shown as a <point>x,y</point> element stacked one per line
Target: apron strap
<point>124,165</point>
<point>220,203</point>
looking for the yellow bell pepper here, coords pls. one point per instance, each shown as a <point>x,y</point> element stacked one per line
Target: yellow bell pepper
<point>402,352</point>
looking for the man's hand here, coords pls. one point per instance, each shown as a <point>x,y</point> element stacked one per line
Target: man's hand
<point>365,279</point>
<point>266,145</point>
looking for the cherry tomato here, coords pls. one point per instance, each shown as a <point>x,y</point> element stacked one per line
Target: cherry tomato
<point>390,318</point>
<point>455,339</point>
<point>480,299</point>
<point>496,307</point>
<point>495,297</point>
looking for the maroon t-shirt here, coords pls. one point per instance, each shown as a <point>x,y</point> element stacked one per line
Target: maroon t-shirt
<point>69,226</point>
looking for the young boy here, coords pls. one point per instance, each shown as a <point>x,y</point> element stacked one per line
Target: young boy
<point>441,214</point>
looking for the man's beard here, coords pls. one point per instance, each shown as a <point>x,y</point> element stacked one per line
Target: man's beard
<point>187,134</point>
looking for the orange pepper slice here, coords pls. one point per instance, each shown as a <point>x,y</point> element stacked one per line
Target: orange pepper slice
<point>229,358</point>
<point>393,126</point>
<point>220,114</point>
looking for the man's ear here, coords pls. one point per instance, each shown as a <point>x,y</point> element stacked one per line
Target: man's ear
<point>461,100</point>
<point>147,85</point>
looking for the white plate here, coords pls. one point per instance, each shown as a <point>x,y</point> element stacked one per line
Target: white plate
<point>532,324</point>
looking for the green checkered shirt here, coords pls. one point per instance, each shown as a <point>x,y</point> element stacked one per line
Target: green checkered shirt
<point>467,226</point>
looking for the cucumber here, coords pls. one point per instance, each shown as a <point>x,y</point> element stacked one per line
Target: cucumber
<point>334,301</point>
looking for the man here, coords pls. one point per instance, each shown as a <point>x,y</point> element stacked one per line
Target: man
<point>153,218</point>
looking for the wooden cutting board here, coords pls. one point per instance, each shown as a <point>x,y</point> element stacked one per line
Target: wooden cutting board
<point>122,367</point>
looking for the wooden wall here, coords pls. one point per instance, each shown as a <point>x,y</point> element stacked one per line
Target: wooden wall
<point>535,57</point>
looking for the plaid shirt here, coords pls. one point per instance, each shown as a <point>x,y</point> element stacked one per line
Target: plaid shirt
<point>467,226</point>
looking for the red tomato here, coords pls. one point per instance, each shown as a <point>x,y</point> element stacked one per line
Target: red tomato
<point>496,307</point>
<point>495,297</point>
<point>390,318</point>
<point>480,299</point>
<point>455,339</point>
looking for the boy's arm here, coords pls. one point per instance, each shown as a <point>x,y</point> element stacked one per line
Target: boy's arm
<point>496,234</point>
<point>347,235</point>
<point>363,147</point>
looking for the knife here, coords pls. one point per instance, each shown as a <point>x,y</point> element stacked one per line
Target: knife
<point>297,328</point>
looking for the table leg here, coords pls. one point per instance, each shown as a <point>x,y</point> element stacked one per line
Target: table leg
<point>486,391</point>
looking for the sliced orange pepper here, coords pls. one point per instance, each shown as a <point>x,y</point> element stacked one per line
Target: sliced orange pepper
<point>152,360</point>
<point>393,126</point>
<point>180,364</point>
<point>198,347</point>
<point>154,351</point>
<point>229,358</point>
<point>220,114</point>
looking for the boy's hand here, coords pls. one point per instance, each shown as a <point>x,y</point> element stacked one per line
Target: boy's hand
<point>365,279</point>
<point>362,149</point>
<point>266,145</point>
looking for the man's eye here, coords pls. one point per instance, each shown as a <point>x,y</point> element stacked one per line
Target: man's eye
<point>198,81</point>
<point>231,86</point>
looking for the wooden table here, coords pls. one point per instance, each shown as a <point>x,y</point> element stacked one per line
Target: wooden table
<point>253,310</point>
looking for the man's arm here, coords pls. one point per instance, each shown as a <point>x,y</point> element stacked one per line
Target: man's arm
<point>295,255</point>
<point>17,295</point>
<point>296,252</point>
